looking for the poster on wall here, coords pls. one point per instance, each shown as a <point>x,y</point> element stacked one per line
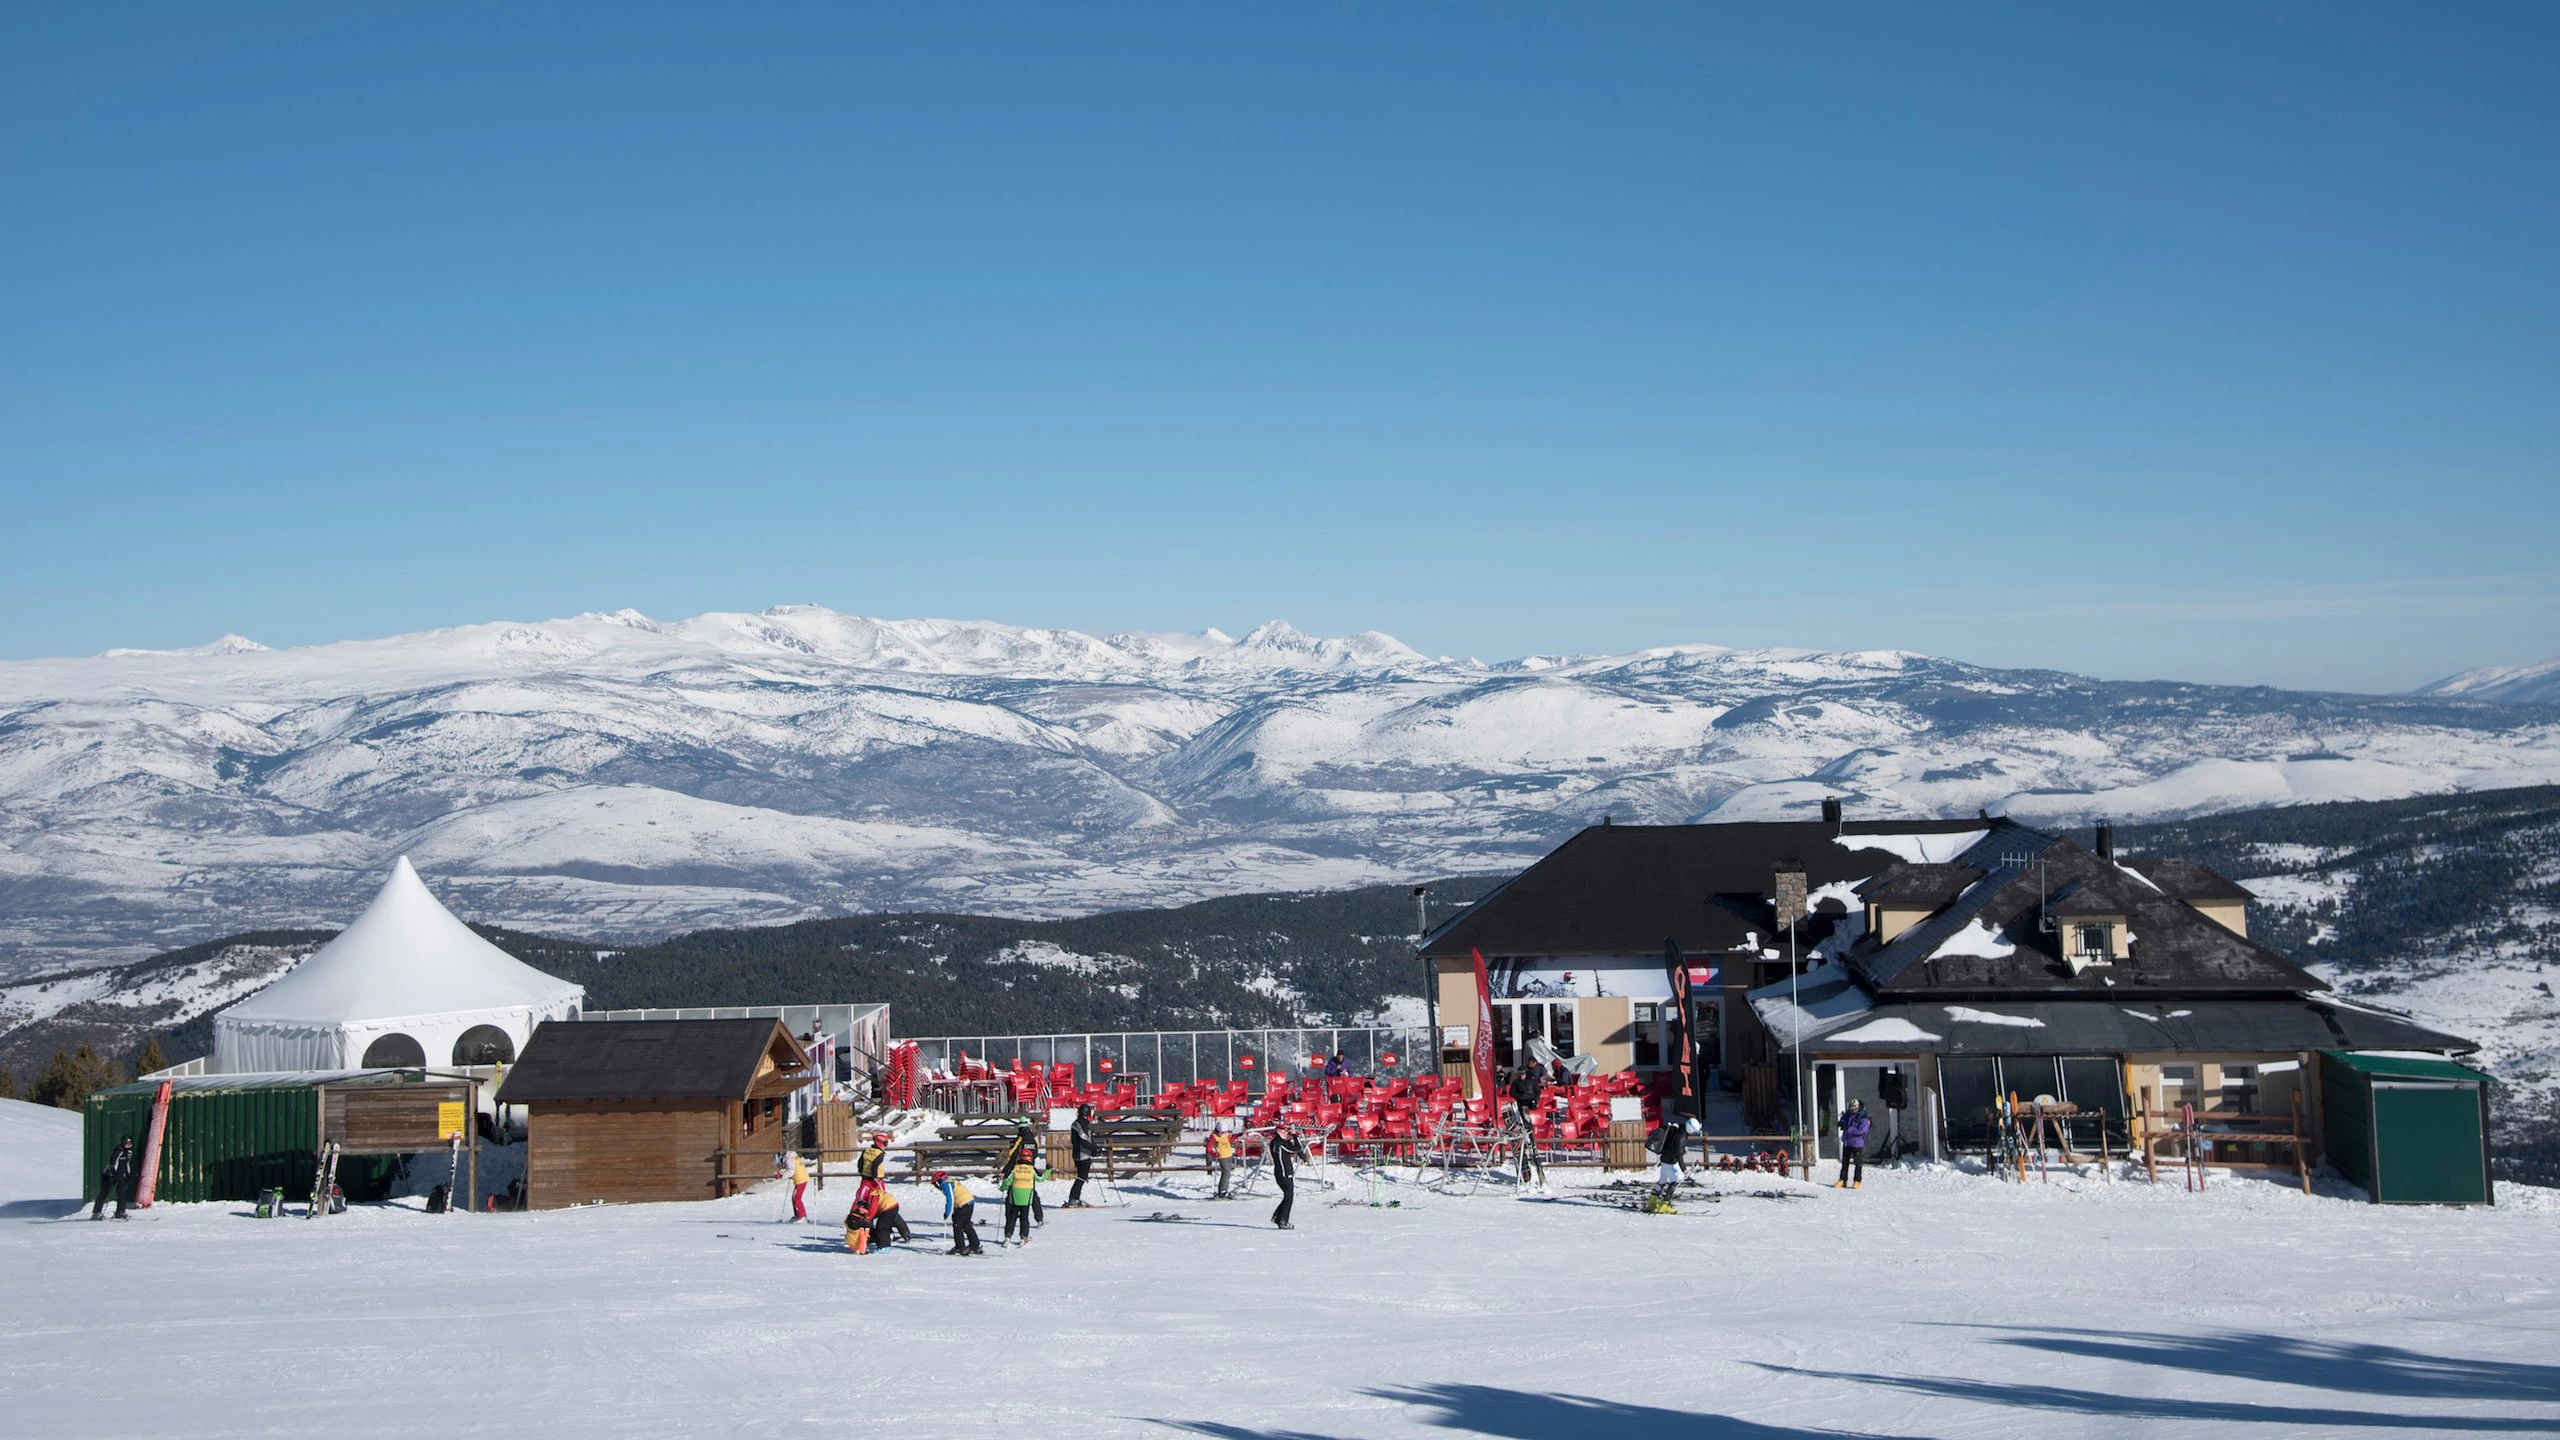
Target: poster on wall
<point>1545,979</point>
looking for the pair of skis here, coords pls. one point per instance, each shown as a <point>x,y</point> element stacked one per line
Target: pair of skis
<point>324,1182</point>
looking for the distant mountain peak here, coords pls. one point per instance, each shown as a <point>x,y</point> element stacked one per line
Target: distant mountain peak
<point>2505,684</point>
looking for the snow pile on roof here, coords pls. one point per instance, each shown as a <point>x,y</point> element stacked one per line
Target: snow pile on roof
<point>1892,1029</point>
<point>1967,1015</point>
<point>1917,849</point>
<point>1976,941</point>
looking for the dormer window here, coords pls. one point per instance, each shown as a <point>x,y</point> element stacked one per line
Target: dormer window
<point>2093,944</point>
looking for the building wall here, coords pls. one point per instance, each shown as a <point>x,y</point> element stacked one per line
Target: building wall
<point>2275,1089</point>
<point>1607,1028</point>
<point>581,1152</point>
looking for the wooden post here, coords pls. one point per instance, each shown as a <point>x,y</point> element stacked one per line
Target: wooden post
<point>2301,1139</point>
<point>2142,1136</point>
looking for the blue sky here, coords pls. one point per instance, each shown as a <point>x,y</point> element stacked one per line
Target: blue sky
<point>2211,342</point>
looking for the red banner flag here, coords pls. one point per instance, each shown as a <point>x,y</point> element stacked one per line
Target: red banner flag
<point>1484,1028</point>
<point>147,1186</point>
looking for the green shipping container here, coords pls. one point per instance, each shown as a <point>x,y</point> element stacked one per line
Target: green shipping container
<point>2410,1131</point>
<point>228,1138</point>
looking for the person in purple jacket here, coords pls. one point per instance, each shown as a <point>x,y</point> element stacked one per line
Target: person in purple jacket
<point>1853,1145</point>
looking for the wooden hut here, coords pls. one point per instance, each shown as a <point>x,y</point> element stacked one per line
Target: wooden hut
<point>638,1110</point>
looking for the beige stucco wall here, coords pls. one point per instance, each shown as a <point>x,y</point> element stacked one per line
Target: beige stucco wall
<point>2275,1091</point>
<point>2231,915</point>
<point>1605,1028</point>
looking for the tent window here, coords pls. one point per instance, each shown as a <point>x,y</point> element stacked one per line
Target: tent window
<point>484,1045</point>
<point>394,1052</point>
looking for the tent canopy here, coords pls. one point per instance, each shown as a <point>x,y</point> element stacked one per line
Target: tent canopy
<point>406,984</point>
<point>405,955</point>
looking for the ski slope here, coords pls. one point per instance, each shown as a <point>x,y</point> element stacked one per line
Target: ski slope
<point>1929,1303</point>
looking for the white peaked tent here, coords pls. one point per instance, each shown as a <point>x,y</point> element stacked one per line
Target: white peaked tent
<point>406,984</point>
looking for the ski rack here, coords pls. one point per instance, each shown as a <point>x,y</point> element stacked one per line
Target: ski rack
<point>2194,1134</point>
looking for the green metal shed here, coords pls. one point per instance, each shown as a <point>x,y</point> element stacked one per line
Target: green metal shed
<point>2411,1130</point>
<point>228,1137</point>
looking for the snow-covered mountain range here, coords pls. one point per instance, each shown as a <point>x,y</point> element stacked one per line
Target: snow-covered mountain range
<point>2506,684</point>
<point>612,775</point>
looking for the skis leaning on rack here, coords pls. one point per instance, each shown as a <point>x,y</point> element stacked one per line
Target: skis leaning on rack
<point>324,1181</point>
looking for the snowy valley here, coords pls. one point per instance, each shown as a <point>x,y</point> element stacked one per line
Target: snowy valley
<point>616,776</point>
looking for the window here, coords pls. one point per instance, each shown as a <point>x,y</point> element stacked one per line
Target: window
<point>2179,1086</point>
<point>394,1051</point>
<point>1517,1022</point>
<point>1652,1036</point>
<point>484,1045</point>
<point>2093,942</point>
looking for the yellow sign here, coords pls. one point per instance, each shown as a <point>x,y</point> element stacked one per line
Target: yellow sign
<point>449,1119</point>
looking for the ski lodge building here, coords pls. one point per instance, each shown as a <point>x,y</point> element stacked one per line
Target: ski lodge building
<point>1926,967</point>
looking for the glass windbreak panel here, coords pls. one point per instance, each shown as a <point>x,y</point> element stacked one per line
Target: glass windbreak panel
<point>1560,1028</point>
<point>1968,1085</point>
<point>2240,1088</point>
<point>2096,1084</point>
<point>2028,1076</point>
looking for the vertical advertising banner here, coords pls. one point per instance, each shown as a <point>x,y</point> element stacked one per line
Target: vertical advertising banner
<point>1484,1028</point>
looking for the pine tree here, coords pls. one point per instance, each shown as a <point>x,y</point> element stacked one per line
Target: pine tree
<point>8,1086</point>
<point>150,1059</point>
<point>67,1082</point>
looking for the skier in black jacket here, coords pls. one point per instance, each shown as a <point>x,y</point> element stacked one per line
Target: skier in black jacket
<point>1670,1144</point>
<point>114,1179</point>
<point>1083,1149</point>
<point>1285,1152</point>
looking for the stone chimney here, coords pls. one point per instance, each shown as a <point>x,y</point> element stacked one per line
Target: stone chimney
<point>1787,884</point>
<point>2106,840</point>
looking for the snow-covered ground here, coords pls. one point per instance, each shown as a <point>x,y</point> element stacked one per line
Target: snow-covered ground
<point>1928,1303</point>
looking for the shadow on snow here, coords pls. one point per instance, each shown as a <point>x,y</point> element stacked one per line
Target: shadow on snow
<point>1519,1415</point>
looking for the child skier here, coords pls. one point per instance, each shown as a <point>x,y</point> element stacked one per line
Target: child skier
<point>1854,1125</point>
<point>888,1222</point>
<point>1670,1144</point>
<point>874,1157</point>
<point>1021,1192</point>
<point>799,1188</point>
<point>1222,1161</point>
<point>1025,1150</point>
<point>857,1222</point>
<point>961,1209</point>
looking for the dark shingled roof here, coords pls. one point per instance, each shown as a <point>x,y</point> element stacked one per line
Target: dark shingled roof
<point>1907,885</point>
<point>2174,947</point>
<point>2090,1027</point>
<point>643,1059</point>
<point>2186,880</point>
<point>1624,889</point>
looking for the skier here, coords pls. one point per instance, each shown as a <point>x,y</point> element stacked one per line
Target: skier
<point>1285,1152</point>
<point>1222,1160</point>
<point>1021,1191</point>
<point>1670,1145</point>
<point>1528,1090</point>
<point>961,1209</point>
<point>1854,1124</point>
<point>1025,1150</point>
<point>874,1157</point>
<point>1084,1149</point>
<point>116,1175</point>
<point>858,1221</point>
<point>888,1222</point>
<point>799,1188</point>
